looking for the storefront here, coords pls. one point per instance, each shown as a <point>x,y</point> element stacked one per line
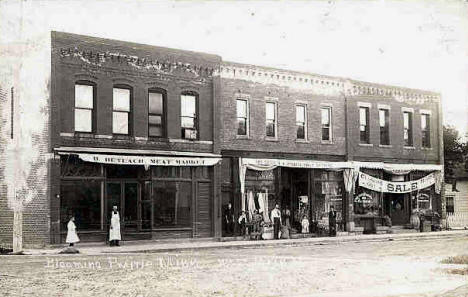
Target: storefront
<point>389,194</point>
<point>157,196</point>
<point>365,195</point>
<point>303,188</point>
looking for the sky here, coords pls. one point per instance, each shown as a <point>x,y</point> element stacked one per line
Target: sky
<point>415,44</point>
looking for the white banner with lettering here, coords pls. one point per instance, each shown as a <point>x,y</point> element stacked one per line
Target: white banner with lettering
<point>149,160</point>
<point>380,185</point>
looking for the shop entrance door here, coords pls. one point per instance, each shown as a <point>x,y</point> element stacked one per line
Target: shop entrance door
<point>397,206</point>
<point>124,195</point>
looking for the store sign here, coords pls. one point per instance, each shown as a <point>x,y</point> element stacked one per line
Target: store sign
<point>378,185</point>
<point>304,199</point>
<point>363,198</point>
<point>296,163</point>
<point>148,161</point>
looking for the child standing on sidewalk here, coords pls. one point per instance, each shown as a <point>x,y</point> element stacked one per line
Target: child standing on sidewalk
<point>72,237</point>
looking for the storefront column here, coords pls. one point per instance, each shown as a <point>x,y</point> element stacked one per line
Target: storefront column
<point>349,215</point>
<point>55,200</point>
<point>217,212</point>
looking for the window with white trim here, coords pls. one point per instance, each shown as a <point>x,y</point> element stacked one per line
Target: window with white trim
<point>301,122</point>
<point>426,130</point>
<point>121,111</point>
<point>242,117</point>
<point>384,120</point>
<point>156,114</point>
<point>326,123</point>
<point>408,128</point>
<point>84,107</point>
<point>188,116</point>
<point>364,124</point>
<point>270,115</point>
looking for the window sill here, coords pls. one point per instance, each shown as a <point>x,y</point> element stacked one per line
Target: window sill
<point>426,148</point>
<point>100,136</point>
<point>409,147</point>
<point>271,139</point>
<point>302,141</point>
<point>84,134</point>
<point>121,137</point>
<point>366,144</point>
<point>385,145</point>
<point>247,137</point>
<point>181,140</point>
<point>326,142</point>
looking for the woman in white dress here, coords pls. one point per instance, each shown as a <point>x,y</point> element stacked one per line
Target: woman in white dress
<point>72,237</point>
<point>114,232</point>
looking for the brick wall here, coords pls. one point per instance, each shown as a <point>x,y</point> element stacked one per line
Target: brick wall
<point>396,152</point>
<point>286,99</point>
<point>110,62</point>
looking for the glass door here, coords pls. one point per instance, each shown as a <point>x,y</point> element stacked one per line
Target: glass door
<point>124,195</point>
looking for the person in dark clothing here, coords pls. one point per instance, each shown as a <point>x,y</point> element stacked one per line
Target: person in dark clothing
<point>229,220</point>
<point>276,218</point>
<point>242,221</point>
<point>332,221</point>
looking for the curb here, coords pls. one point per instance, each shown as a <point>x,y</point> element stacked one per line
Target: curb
<point>159,247</point>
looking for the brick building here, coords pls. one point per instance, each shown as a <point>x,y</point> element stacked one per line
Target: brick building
<point>172,136</point>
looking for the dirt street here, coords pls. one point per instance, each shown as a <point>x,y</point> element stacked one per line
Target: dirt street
<point>390,268</point>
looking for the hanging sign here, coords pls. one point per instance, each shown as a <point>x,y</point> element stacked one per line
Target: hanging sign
<point>251,162</point>
<point>363,198</point>
<point>379,185</point>
<point>148,160</point>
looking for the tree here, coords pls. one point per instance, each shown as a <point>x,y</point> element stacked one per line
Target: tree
<point>455,152</point>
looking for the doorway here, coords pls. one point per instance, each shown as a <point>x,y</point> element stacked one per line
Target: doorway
<point>397,208</point>
<point>126,196</point>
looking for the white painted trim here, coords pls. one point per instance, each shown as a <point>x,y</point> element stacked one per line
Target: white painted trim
<point>365,104</point>
<point>66,134</point>
<point>100,136</point>
<point>190,141</point>
<point>407,109</point>
<point>383,106</point>
<point>425,111</point>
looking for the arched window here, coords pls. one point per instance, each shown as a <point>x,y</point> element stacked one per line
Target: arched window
<point>121,109</point>
<point>156,112</point>
<point>189,115</point>
<point>85,97</point>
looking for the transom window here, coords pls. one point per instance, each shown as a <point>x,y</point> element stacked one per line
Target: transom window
<point>301,122</point>
<point>84,104</point>
<point>242,117</point>
<point>188,116</point>
<point>271,119</point>
<point>121,111</point>
<point>155,114</point>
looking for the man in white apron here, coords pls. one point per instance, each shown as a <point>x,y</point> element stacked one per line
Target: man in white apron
<point>114,232</point>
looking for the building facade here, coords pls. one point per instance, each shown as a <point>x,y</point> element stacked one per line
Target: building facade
<point>171,137</point>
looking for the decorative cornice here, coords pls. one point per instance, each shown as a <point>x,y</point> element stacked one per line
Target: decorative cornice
<point>324,85</point>
<point>98,59</point>
<point>317,84</point>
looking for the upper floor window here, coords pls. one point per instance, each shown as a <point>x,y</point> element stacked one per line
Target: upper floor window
<point>242,117</point>
<point>326,123</point>
<point>188,116</point>
<point>156,114</point>
<point>384,126</point>
<point>301,122</point>
<point>426,130</point>
<point>121,111</point>
<point>364,124</point>
<point>84,104</point>
<point>270,119</point>
<point>408,128</point>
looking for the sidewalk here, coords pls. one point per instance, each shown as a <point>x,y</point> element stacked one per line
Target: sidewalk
<point>213,243</point>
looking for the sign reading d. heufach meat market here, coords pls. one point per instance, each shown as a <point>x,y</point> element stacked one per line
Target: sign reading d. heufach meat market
<point>380,185</point>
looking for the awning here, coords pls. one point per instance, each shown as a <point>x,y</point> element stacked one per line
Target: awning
<point>146,160</point>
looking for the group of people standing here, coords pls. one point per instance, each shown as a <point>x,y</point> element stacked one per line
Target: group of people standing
<point>114,229</point>
<point>279,219</point>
